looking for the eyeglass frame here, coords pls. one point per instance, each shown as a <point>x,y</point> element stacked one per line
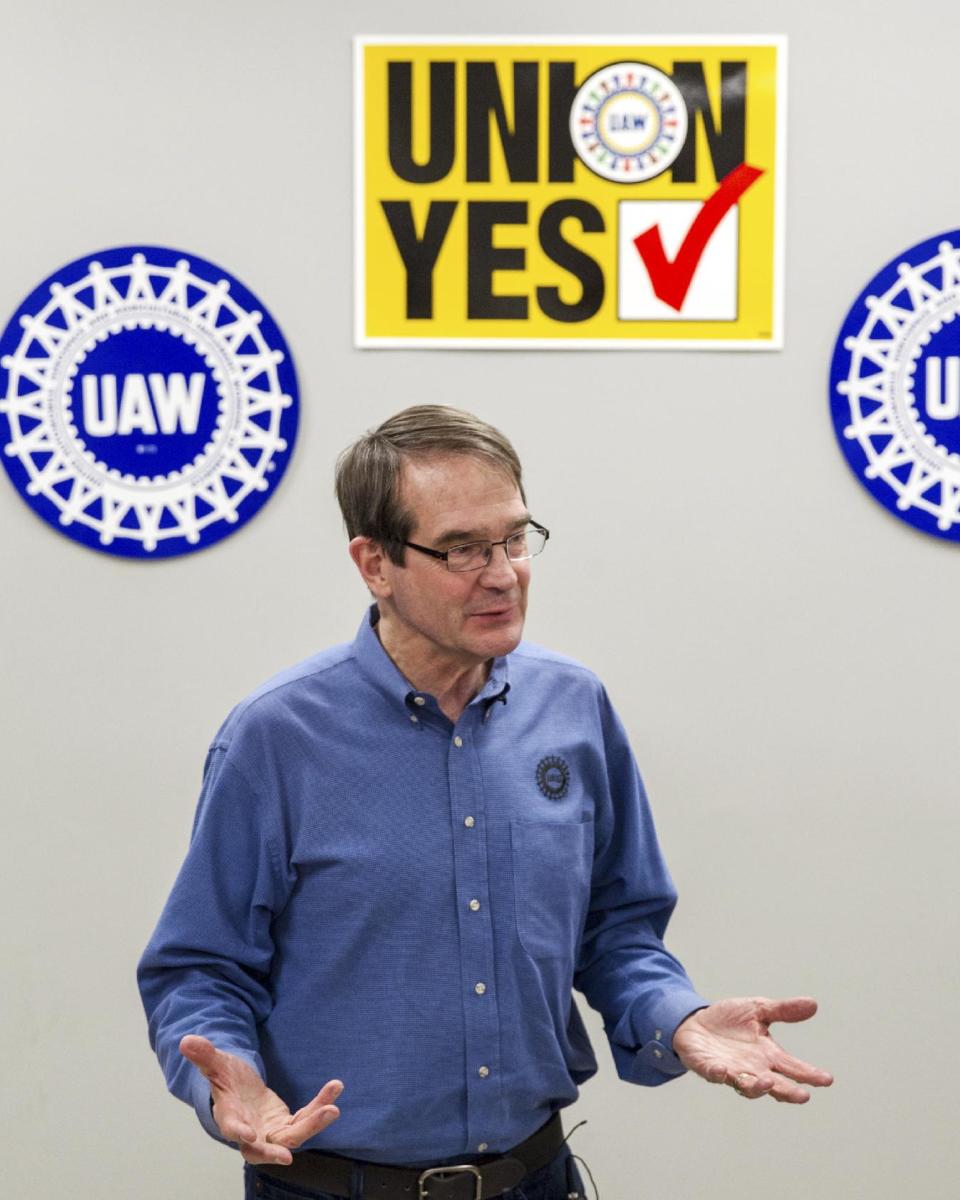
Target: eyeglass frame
<point>444,555</point>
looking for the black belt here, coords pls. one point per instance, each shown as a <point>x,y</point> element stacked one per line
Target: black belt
<point>478,1179</point>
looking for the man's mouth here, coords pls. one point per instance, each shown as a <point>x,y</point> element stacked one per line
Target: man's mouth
<point>501,611</point>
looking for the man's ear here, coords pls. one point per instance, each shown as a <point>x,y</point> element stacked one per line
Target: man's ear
<point>372,564</point>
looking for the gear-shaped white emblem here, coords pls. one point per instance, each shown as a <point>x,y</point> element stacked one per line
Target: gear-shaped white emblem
<point>628,122</point>
<point>149,509</point>
<point>923,473</point>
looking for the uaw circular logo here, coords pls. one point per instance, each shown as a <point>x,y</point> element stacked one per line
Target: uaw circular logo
<point>628,122</point>
<point>148,402</point>
<point>553,777</point>
<point>895,386</point>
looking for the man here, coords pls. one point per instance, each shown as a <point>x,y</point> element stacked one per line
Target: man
<point>408,850</point>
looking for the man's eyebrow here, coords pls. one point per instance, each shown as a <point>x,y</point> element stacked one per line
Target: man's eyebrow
<point>454,537</point>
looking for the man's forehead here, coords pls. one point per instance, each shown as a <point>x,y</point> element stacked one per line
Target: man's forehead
<point>459,493</point>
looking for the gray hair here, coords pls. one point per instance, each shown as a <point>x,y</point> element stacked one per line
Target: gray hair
<point>368,472</point>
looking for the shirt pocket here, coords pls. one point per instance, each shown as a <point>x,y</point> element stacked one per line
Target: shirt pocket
<point>552,863</point>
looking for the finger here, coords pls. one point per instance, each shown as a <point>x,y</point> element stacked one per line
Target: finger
<point>330,1092</point>
<point>311,1119</point>
<point>750,1086</point>
<point>298,1131</point>
<point>788,1093</point>
<point>235,1120</point>
<point>796,1008</point>
<point>260,1152</point>
<point>802,1072</point>
<point>236,1129</point>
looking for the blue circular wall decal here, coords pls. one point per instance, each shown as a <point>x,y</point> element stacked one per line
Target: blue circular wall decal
<point>148,402</point>
<point>895,386</point>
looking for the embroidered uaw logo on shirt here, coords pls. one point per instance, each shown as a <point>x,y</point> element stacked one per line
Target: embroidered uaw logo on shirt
<point>553,777</point>
<point>148,402</point>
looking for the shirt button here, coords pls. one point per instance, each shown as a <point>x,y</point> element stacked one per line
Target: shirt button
<point>483,1072</point>
<point>458,741</point>
<point>474,905</point>
<point>658,1054</point>
<point>480,988</point>
<point>658,1034</point>
<point>469,822</point>
<point>419,700</point>
<point>414,719</point>
<point>483,1146</point>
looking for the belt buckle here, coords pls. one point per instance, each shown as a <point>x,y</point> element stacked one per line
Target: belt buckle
<point>468,1167</point>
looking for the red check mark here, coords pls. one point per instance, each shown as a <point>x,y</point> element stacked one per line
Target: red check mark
<point>671,280</point>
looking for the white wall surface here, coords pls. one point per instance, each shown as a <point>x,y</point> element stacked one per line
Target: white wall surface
<point>779,647</point>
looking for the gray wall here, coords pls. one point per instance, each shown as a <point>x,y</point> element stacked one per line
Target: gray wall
<point>780,648</point>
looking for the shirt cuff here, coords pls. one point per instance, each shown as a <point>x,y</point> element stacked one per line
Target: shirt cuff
<point>652,1060</point>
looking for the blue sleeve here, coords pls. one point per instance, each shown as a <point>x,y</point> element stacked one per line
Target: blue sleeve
<point>624,970</point>
<point>205,970</point>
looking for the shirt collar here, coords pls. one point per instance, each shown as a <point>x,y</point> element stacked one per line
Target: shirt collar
<point>383,672</point>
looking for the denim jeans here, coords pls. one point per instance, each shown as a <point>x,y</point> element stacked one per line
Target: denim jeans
<point>558,1180</point>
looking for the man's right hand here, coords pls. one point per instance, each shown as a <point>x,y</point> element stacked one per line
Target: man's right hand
<point>248,1112</point>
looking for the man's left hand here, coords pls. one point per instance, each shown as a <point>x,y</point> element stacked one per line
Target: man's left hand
<point>729,1042</point>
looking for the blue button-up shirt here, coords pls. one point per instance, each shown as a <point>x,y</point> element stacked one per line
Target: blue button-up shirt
<point>377,894</point>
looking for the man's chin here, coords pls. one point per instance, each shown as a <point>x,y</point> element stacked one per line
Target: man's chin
<point>496,639</point>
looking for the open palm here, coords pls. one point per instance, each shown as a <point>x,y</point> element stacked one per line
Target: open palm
<point>248,1112</point>
<point>729,1042</point>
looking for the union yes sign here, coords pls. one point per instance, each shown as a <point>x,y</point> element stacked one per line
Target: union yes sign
<point>561,193</point>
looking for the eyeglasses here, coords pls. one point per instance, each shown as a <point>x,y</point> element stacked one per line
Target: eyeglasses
<point>474,556</point>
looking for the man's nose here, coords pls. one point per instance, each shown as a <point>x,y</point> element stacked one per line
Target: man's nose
<point>501,570</point>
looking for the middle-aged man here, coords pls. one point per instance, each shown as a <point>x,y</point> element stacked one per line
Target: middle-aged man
<point>408,851</point>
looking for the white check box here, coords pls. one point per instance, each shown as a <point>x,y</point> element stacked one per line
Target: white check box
<point>712,294</point>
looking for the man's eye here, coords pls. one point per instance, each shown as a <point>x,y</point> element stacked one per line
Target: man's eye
<point>462,553</point>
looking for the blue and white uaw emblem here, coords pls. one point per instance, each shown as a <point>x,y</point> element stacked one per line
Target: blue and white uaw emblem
<point>148,402</point>
<point>895,386</point>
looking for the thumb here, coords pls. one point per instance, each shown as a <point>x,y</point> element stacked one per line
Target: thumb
<point>793,1009</point>
<point>224,1071</point>
<point>212,1063</point>
<point>203,1054</point>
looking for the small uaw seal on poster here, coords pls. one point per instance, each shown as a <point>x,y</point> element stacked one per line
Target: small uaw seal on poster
<point>628,122</point>
<point>148,402</point>
<point>895,386</point>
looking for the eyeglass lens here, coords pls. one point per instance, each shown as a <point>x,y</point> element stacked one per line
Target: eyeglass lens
<point>525,544</point>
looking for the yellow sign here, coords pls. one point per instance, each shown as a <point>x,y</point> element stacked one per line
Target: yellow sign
<point>570,194</point>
